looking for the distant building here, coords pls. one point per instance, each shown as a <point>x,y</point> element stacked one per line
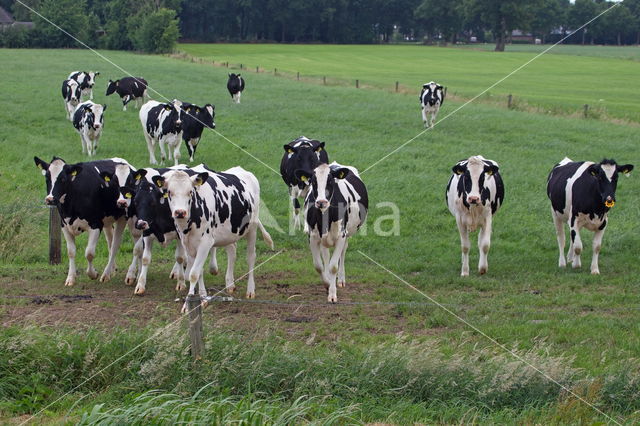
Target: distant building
<point>521,36</point>
<point>6,20</point>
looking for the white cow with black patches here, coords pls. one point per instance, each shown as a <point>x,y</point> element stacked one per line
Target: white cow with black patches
<point>215,209</point>
<point>474,194</point>
<point>162,124</point>
<point>71,94</point>
<point>431,99</point>
<point>581,194</point>
<point>86,80</point>
<point>334,210</point>
<point>88,119</point>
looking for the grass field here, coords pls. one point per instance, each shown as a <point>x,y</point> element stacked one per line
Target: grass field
<point>311,361</point>
<point>610,52</point>
<point>559,84</point>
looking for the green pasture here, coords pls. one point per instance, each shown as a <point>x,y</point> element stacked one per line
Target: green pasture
<point>398,364</point>
<point>598,51</point>
<point>557,84</point>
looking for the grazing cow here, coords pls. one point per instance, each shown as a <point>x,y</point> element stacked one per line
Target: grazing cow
<point>86,80</point>
<point>86,202</point>
<point>474,193</point>
<point>195,119</point>
<point>162,123</point>
<point>88,119</point>
<point>129,89</point>
<point>335,208</point>
<point>431,99</point>
<point>235,85</point>
<point>581,194</point>
<point>300,154</point>
<point>71,95</point>
<point>213,209</point>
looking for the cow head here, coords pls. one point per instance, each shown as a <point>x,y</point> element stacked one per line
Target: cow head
<point>58,176</point>
<point>148,200</point>
<point>472,178</point>
<point>174,113</point>
<point>431,93</point>
<point>606,175</point>
<point>127,180</point>
<point>323,183</point>
<point>203,115</point>
<point>111,87</point>
<point>92,78</point>
<point>95,115</point>
<point>305,156</point>
<point>74,91</point>
<point>180,188</point>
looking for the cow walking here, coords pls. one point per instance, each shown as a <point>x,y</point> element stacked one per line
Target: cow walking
<point>300,154</point>
<point>335,208</point>
<point>129,89</point>
<point>88,119</point>
<point>431,99</point>
<point>195,120</point>
<point>86,80</point>
<point>162,124</point>
<point>474,194</point>
<point>235,86</point>
<point>86,203</point>
<point>581,194</point>
<point>71,94</point>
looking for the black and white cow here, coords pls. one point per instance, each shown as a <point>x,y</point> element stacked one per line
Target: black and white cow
<point>213,209</point>
<point>129,89</point>
<point>71,95</point>
<point>474,194</point>
<point>88,119</point>
<point>162,124</point>
<point>235,86</point>
<point>581,194</point>
<point>86,202</point>
<point>194,122</point>
<point>431,99</point>
<point>335,208</point>
<point>300,154</point>
<point>86,80</point>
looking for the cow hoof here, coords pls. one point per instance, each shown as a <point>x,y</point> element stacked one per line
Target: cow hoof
<point>341,284</point>
<point>251,295</point>
<point>464,274</point>
<point>180,286</point>
<point>92,273</point>
<point>332,299</point>
<point>69,282</point>
<point>482,271</point>
<point>139,291</point>
<point>595,272</point>
<point>184,308</point>
<point>130,280</point>
<point>230,289</point>
<point>214,271</point>
<point>173,275</point>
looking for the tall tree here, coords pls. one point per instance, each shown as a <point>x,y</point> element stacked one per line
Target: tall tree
<point>438,17</point>
<point>501,17</point>
<point>70,15</point>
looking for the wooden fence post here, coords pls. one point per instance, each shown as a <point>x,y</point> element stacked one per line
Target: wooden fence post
<point>275,71</point>
<point>257,69</point>
<point>298,76</point>
<point>324,80</point>
<point>397,84</point>
<point>357,84</point>
<point>55,238</point>
<point>586,110</point>
<point>509,99</point>
<point>194,307</point>
<point>240,67</point>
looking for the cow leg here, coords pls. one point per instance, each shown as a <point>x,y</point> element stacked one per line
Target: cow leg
<point>125,101</point>
<point>84,144</point>
<point>326,258</point>
<point>424,118</point>
<point>297,221</point>
<point>108,235</point>
<point>196,269</point>
<point>465,245</point>
<point>341,275</point>
<point>178,267</point>
<point>314,245</point>
<point>176,152</point>
<point>576,245</point>
<point>163,155</point>
<point>251,262</point>
<point>484,243</point>
<point>190,149</point>
<point>597,244</point>
<point>213,262</point>
<point>110,270</point>
<point>151,148</point>
<point>138,250</point>
<point>90,252</point>
<point>229,280</point>
<point>559,224</point>
<point>144,266</point>
<point>90,94</point>
<point>71,254</point>
<point>332,269</point>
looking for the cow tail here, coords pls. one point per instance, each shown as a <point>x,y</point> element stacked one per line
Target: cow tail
<point>265,235</point>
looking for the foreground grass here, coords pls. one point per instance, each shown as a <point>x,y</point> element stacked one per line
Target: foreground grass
<point>554,83</point>
<point>589,323</point>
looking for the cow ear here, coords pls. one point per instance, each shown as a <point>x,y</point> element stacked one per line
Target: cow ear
<point>593,170</point>
<point>491,170</point>
<point>340,173</point>
<point>73,170</point>
<point>104,107</point>
<point>289,149</point>
<point>138,175</point>
<point>320,147</point>
<point>42,165</point>
<point>458,169</point>
<point>302,175</point>
<point>127,192</point>
<point>200,178</point>
<point>106,177</point>
<point>626,169</point>
<point>159,181</point>
<point>97,73</point>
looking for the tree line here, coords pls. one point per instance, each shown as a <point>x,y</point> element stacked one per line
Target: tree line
<point>156,25</point>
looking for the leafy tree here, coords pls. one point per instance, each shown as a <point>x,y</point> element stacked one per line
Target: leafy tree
<point>158,33</point>
<point>581,12</point>
<point>501,17</point>
<point>70,15</point>
<point>549,15</point>
<point>446,18</point>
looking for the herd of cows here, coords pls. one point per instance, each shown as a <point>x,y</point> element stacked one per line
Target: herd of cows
<point>203,209</point>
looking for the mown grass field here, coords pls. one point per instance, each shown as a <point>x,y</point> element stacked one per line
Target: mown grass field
<point>560,83</point>
<point>611,52</point>
<point>311,361</point>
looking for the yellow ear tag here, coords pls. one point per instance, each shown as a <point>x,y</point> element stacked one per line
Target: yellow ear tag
<point>341,175</point>
<point>127,195</point>
<point>40,166</point>
<point>165,195</point>
<point>159,184</point>
<point>290,151</point>
<point>138,177</point>
<point>167,108</point>
<point>303,178</point>
<point>107,179</point>
<point>490,172</point>
<point>319,148</point>
<point>73,173</point>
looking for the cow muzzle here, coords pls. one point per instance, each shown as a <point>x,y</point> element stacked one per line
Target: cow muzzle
<point>142,225</point>
<point>180,214</point>
<point>49,200</point>
<point>473,199</point>
<point>322,204</point>
<point>122,204</point>
<point>96,126</point>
